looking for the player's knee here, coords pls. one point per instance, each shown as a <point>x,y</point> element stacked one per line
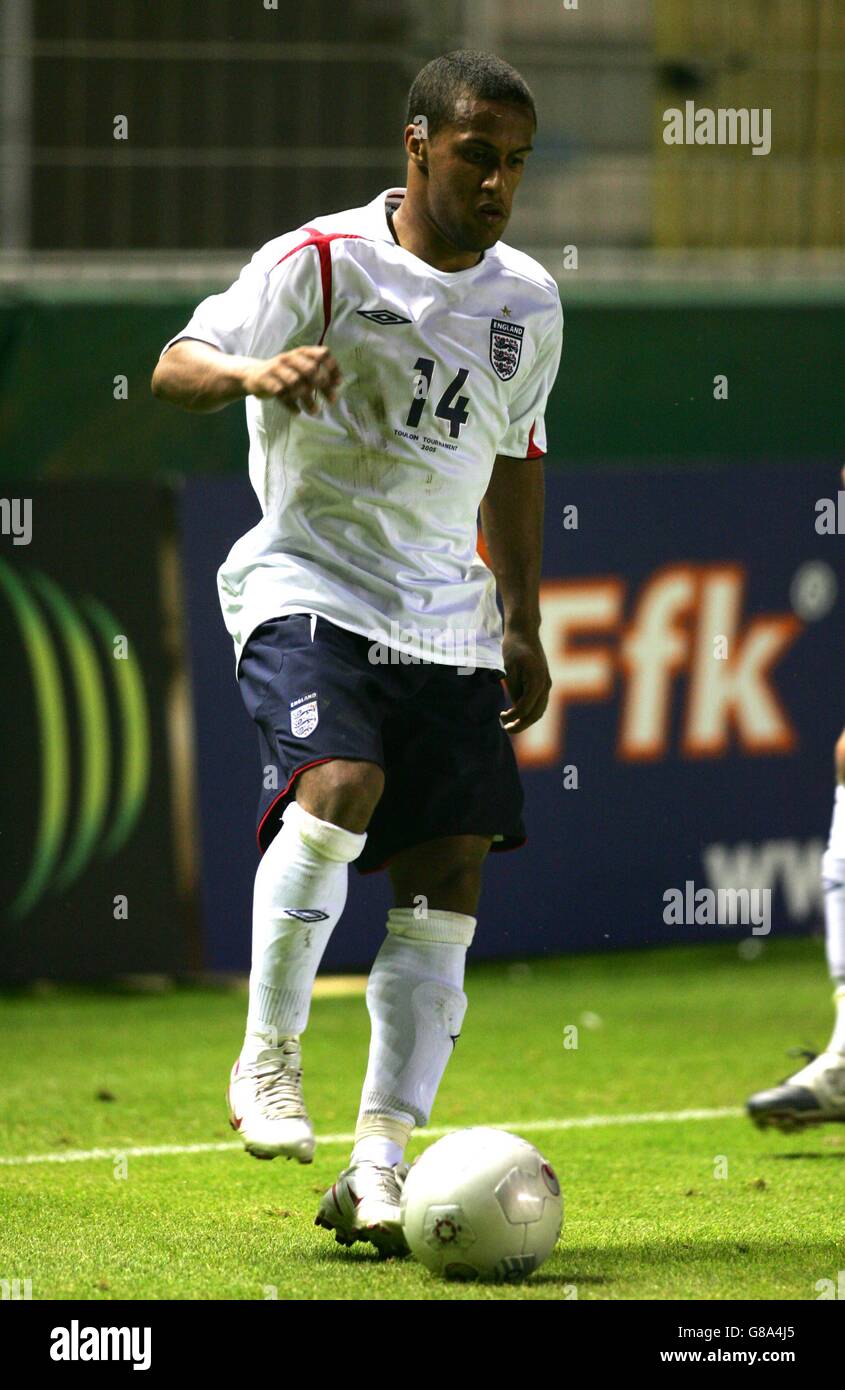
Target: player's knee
<point>328,839</point>
<point>449,880</point>
<point>459,873</point>
<point>343,791</point>
<point>455,888</point>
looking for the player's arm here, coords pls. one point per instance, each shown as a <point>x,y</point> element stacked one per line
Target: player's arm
<point>512,523</point>
<point>230,347</point>
<point>202,378</point>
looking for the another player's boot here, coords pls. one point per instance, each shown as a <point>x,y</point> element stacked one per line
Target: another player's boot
<point>266,1106</point>
<point>813,1095</point>
<point>364,1205</point>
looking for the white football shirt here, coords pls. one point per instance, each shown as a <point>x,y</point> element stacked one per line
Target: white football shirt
<point>370,507</point>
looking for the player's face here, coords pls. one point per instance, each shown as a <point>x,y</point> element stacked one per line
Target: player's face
<point>474,168</point>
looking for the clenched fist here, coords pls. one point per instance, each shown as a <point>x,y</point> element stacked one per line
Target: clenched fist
<point>294,378</point>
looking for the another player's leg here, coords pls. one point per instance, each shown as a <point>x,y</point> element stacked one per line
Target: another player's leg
<point>300,893</point>
<point>816,1093</point>
<point>416,1003</point>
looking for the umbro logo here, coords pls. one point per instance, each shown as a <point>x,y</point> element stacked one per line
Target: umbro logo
<point>382,316</point>
<point>305,914</point>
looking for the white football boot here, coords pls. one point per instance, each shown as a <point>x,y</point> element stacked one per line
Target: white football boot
<point>266,1106</point>
<point>364,1205</point>
<point>814,1095</point>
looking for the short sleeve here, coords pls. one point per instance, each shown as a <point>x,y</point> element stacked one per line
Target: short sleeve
<point>525,436</point>
<point>275,302</point>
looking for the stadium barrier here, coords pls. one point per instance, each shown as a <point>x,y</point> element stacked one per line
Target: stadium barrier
<point>679,786</point>
<point>677,789</point>
<point>637,380</point>
<point>96,773</point>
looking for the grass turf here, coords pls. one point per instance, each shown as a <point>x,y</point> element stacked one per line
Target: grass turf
<point>646,1217</point>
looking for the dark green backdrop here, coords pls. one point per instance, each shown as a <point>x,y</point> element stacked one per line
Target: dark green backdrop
<point>636,380</point>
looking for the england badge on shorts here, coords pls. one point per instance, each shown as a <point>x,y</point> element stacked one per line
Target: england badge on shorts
<point>303,715</point>
<point>505,347</point>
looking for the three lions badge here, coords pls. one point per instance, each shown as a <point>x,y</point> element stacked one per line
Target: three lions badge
<point>303,715</point>
<point>505,347</point>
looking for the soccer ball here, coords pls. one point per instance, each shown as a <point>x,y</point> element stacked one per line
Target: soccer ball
<point>481,1204</point>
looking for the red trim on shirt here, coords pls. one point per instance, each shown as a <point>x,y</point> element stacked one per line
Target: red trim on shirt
<point>481,547</point>
<point>322,242</point>
<point>533,451</point>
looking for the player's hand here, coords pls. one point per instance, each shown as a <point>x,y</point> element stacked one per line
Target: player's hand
<point>527,678</point>
<point>294,378</point>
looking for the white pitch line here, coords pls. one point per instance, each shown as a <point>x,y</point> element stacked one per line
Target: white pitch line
<point>655,1117</point>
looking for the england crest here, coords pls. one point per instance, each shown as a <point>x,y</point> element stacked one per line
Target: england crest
<point>304,716</point>
<point>505,347</point>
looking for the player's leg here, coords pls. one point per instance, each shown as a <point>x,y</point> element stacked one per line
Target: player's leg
<point>300,893</point>
<point>415,992</point>
<point>833,882</point>
<point>816,1093</point>
<point>301,889</point>
<point>452,790</point>
<point>310,832</point>
<point>416,1002</point>
<point>447,871</point>
<point>342,791</point>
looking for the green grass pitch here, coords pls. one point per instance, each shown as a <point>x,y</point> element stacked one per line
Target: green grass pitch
<point>692,1028</point>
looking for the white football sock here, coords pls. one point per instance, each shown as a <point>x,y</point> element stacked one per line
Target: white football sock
<point>833,882</point>
<point>304,870</point>
<point>381,1139</point>
<point>416,1004</point>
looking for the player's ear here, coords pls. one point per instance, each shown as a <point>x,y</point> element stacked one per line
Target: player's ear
<point>416,143</point>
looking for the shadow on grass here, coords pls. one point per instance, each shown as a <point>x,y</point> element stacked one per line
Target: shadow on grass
<point>808,1153</point>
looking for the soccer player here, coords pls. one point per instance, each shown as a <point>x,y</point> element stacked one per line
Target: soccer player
<point>816,1093</point>
<point>396,359</point>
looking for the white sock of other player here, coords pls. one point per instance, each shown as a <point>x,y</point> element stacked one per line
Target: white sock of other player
<point>837,1041</point>
<point>833,882</point>
<point>300,893</point>
<point>416,1003</point>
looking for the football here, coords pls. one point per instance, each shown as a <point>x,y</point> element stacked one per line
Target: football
<point>482,1204</point>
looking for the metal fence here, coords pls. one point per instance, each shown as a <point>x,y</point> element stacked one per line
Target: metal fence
<point>213,127</point>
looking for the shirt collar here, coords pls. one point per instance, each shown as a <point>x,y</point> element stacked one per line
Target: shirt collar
<point>377,216</point>
<point>377,227</point>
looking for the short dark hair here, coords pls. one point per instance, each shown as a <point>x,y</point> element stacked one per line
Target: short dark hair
<point>464,72</point>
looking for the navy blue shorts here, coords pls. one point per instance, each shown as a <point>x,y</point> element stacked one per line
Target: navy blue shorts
<point>449,765</point>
